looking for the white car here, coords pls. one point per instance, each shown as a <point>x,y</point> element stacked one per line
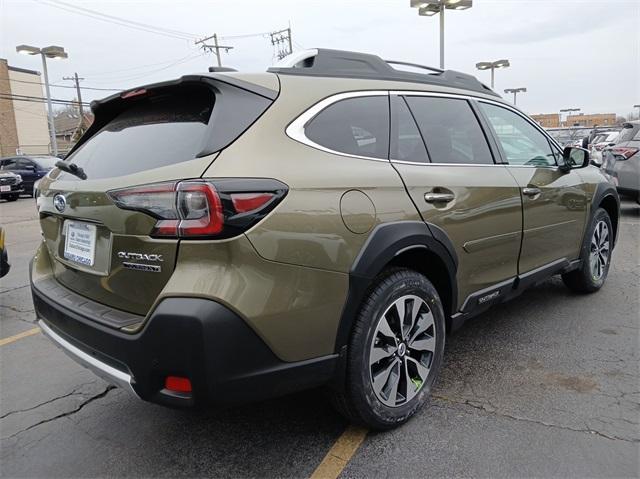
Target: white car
<point>600,142</point>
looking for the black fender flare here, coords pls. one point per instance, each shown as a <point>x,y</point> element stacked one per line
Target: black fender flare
<point>384,243</point>
<point>602,191</point>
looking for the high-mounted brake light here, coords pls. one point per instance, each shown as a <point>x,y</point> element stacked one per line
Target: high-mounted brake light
<point>132,93</point>
<point>198,209</point>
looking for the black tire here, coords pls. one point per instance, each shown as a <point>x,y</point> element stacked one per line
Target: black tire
<point>357,400</point>
<point>13,198</point>
<point>585,279</point>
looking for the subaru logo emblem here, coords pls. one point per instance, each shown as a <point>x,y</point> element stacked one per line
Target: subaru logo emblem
<point>60,202</point>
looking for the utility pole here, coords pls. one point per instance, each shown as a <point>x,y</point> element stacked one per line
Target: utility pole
<point>281,40</point>
<point>215,47</point>
<point>76,79</point>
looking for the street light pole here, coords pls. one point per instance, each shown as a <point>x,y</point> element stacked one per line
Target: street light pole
<point>492,66</point>
<point>52,126</point>
<point>638,107</point>
<point>53,52</point>
<point>428,8</point>
<point>515,91</point>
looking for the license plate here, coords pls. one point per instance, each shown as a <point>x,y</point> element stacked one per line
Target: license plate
<point>80,242</point>
<point>5,188</point>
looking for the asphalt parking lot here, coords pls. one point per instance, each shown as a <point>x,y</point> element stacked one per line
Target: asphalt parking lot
<point>546,385</point>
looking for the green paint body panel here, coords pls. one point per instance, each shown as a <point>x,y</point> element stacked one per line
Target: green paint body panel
<point>288,276</point>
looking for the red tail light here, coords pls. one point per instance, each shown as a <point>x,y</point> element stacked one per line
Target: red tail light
<point>200,209</point>
<point>625,152</point>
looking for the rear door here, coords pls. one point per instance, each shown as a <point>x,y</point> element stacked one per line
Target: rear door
<point>450,173</point>
<point>554,202</point>
<point>155,136</point>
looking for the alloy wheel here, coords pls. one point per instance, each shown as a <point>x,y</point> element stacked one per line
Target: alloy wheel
<point>402,350</point>
<point>599,250</point>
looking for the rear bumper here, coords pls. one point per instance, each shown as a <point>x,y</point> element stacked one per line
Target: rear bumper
<point>197,338</point>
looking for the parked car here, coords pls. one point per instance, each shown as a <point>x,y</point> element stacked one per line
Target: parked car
<point>600,142</point>
<point>622,160</point>
<point>4,256</point>
<point>226,237</point>
<point>571,136</point>
<point>30,168</point>
<point>11,186</point>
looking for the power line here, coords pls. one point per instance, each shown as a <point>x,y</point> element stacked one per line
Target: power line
<point>115,20</point>
<point>63,86</point>
<point>37,99</point>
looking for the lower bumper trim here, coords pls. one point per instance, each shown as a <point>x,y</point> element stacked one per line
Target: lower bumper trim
<point>108,373</point>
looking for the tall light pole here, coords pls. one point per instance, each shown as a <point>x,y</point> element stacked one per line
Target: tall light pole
<point>567,110</point>
<point>515,91</point>
<point>493,66</point>
<point>54,53</point>
<point>428,8</point>
<point>638,107</point>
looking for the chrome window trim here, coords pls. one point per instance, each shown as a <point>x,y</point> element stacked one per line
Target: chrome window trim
<point>295,130</point>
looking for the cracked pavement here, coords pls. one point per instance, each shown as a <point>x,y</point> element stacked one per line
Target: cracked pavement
<point>547,385</point>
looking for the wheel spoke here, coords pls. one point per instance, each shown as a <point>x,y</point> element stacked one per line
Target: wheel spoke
<point>380,352</point>
<point>426,344</point>
<point>424,323</point>
<point>411,388</point>
<point>394,382</point>
<point>421,369</point>
<point>385,329</point>
<point>401,310</point>
<point>382,377</point>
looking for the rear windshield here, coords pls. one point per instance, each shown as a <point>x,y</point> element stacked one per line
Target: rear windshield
<point>157,130</point>
<point>628,134</point>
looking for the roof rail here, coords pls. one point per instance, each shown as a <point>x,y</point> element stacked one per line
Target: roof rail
<point>339,63</point>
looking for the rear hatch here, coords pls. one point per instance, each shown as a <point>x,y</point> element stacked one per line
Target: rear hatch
<point>157,135</point>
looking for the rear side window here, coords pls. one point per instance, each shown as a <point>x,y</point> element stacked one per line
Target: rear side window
<point>629,133</point>
<point>355,126</point>
<point>450,130</point>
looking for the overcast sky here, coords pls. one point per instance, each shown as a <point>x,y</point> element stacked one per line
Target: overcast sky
<point>568,53</point>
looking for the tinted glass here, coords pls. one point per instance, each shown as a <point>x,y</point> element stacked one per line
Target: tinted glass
<point>450,130</point>
<point>355,126</point>
<point>406,142</point>
<point>628,134</point>
<point>522,143</point>
<point>46,162</point>
<point>153,132</point>
<point>10,164</point>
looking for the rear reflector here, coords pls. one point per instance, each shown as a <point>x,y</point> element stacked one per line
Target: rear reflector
<point>245,202</point>
<point>177,384</point>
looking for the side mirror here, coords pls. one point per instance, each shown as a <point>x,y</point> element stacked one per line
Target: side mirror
<point>574,157</point>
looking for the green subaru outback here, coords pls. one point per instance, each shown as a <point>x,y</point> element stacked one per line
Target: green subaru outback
<point>227,237</point>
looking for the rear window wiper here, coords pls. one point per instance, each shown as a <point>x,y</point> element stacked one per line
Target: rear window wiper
<point>71,168</point>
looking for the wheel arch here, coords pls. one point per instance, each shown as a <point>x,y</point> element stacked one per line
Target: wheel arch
<point>412,244</point>
<point>606,197</point>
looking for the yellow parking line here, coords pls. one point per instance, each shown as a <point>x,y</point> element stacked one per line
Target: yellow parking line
<point>340,453</point>
<point>24,334</point>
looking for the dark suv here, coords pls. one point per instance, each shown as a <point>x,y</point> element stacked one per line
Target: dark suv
<point>227,237</point>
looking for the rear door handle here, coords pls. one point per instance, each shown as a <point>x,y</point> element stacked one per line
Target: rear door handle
<point>439,197</point>
<point>530,191</point>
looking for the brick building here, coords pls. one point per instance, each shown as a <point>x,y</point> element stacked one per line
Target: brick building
<point>23,122</point>
<point>591,120</point>
<point>547,120</point>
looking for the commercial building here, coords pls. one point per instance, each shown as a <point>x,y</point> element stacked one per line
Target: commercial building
<point>547,120</point>
<point>591,120</point>
<point>23,115</point>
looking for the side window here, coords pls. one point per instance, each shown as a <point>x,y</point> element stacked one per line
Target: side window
<point>450,130</point>
<point>355,126</point>
<point>406,141</point>
<point>10,164</point>
<point>521,142</point>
